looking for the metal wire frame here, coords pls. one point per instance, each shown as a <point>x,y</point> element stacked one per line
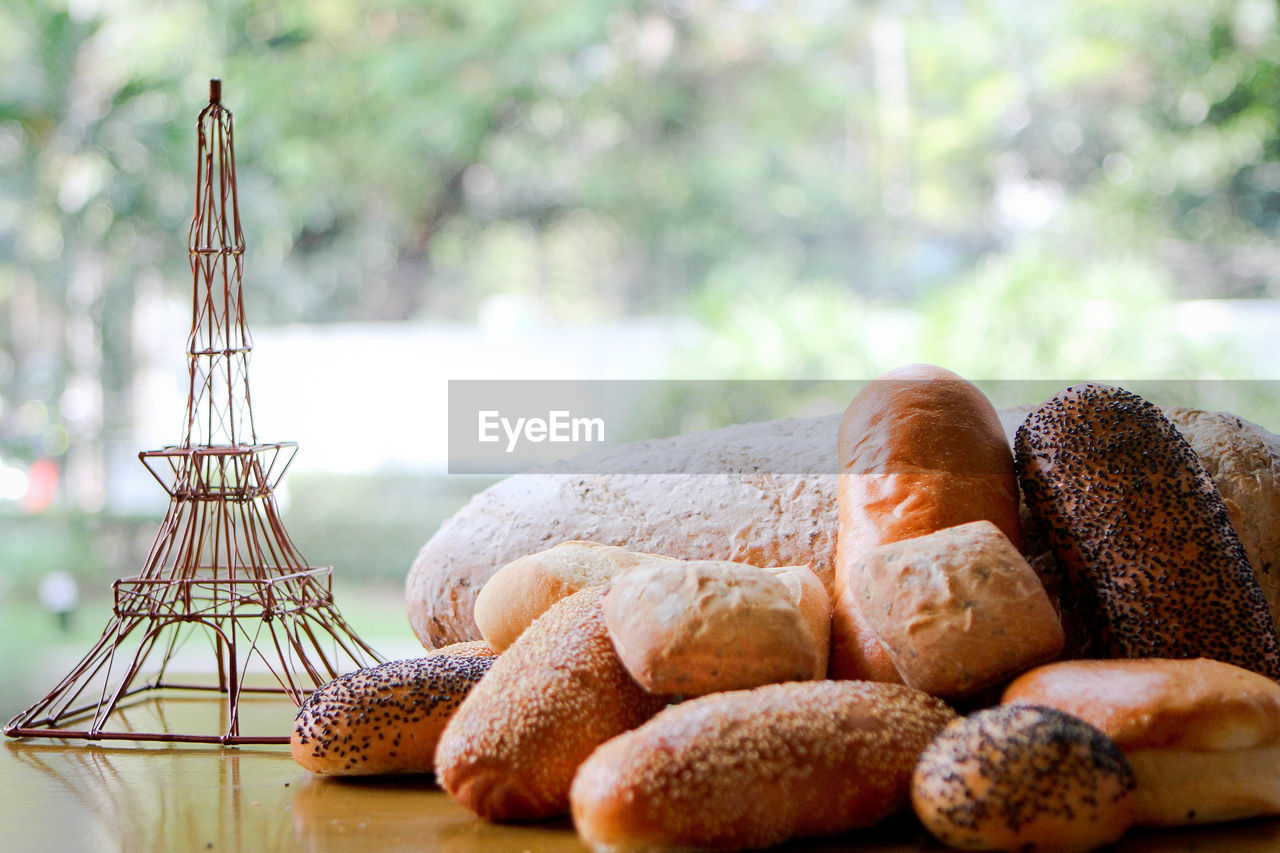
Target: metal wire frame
<point>222,563</point>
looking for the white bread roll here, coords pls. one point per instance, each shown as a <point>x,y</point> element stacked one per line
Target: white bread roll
<point>810,596</point>
<point>959,610</point>
<point>523,589</point>
<point>705,626</point>
<point>1203,736</point>
<point>1022,778</point>
<point>920,449</point>
<point>752,768</point>
<point>510,750</point>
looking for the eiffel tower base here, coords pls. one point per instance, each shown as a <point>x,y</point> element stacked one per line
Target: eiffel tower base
<point>277,636</point>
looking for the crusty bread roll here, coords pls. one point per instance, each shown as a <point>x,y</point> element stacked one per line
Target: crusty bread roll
<point>1203,736</point>
<point>523,589</point>
<point>772,502</point>
<point>1023,778</point>
<point>510,751</point>
<point>1244,461</point>
<point>810,596</point>
<point>1135,519</point>
<point>386,719</point>
<point>958,610</point>
<point>920,449</point>
<point>703,626</point>
<point>752,768</point>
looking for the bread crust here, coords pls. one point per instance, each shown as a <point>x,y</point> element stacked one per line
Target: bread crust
<point>510,751</point>
<point>386,719</point>
<point>752,768</point>
<point>1142,532</point>
<point>703,626</point>
<point>920,449</point>
<point>523,589</point>
<point>780,509</point>
<point>959,610</point>
<point>1023,777</point>
<point>1203,736</point>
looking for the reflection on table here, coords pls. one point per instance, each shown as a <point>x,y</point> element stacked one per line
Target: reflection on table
<point>78,796</point>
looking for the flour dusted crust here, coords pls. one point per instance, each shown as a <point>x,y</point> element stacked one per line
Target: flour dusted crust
<point>1244,461</point>
<point>705,626</point>
<point>958,610</point>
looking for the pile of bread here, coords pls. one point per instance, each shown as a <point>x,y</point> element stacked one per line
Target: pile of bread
<point>1035,642</point>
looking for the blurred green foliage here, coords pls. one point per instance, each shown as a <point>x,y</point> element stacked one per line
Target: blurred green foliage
<point>827,188</point>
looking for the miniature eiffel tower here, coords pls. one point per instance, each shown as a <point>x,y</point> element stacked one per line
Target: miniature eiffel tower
<point>222,564</point>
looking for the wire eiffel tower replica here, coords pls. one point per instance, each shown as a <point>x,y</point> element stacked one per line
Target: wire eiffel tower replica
<point>222,563</point>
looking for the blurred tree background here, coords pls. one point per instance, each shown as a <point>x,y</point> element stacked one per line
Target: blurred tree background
<point>824,189</point>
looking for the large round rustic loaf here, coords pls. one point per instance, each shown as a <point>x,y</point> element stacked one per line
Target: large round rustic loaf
<point>772,504</point>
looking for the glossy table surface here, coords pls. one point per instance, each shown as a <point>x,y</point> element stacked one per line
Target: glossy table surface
<point>81,796</point>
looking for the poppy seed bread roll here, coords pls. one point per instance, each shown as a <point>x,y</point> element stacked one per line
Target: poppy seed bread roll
<point>510,751</point>
<point>386,719</point>
<point>920,449</point>
<point>748,769</point>
<point>1142,532</point>
<point>1022,778</point>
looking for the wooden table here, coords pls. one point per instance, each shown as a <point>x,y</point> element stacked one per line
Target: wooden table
<point>80,796</point>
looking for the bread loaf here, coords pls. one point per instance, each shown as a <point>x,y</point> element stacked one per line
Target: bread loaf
<point>1202,736</point>
<point>958,610</point>
<point>523,589</point>
<point>1244,461</point>
<point>703,626</point>
<point>1023,778</point>
<point>1141,529</point>
<point>772,504</point>
<point>386,719</point>
<point>510,751</point>
<point>751,768</point>
<point>920,449</point>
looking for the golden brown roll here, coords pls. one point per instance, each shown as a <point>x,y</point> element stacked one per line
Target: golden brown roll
<point>386,719</point>
<point>523,589</point>
<point>510,751</point>
<point>1023,778</point>
<point>959,610</point>
<point>1203,736</point>
<point>752,768</point>
<point>920,449</point>
<point>1148,547</point>
<point>703,626</point>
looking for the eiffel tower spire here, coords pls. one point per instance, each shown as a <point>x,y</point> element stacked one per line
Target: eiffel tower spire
<point>222,564</point>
